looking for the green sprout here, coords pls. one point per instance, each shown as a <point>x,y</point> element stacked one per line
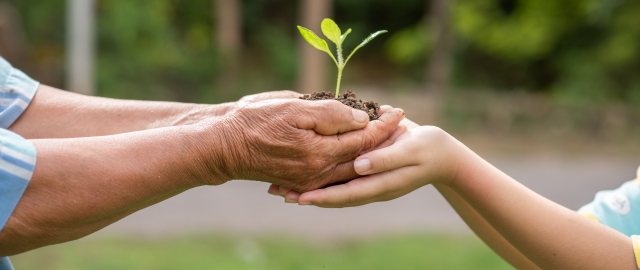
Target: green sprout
<point>331,30</point>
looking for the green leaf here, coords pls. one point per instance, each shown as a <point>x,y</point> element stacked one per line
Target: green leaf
<point>331,30</point>
<point>371,37</point>
<point>314,39</point>
<point>344,36</point>
<point>364,42</point>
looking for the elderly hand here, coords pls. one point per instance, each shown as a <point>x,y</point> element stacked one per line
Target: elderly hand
<point>291,196</point>
<point>299,144</point>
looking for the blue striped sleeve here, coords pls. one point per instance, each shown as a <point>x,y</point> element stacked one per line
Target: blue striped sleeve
<point>5,264</point>
<point>17,155</point>
<point>17,162</point>
<point>16,92</point>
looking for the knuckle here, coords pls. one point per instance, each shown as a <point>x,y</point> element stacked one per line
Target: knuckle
<point>385,163</point>
<point>369,142</point>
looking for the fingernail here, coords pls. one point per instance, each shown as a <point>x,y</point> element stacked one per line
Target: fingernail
<point>290,201</point>
<point>304,203</point>
<point>360,116</point>
<point>362,165</point>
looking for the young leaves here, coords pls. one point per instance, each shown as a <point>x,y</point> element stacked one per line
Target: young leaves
<point>316,41</point>
<point>344,36</point>
<point>331,30</point>
<point>364,42</point>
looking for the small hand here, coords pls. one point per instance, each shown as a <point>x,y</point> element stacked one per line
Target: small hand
<point>301,144</point>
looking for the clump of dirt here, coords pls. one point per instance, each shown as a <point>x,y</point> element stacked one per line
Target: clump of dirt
<point>349,99</point>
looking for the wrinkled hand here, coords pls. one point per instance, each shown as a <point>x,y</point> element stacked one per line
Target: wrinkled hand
<point>299,144</point>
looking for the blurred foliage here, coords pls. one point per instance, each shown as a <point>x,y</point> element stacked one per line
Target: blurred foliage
<point>208,252</point>
<point>409,45</point>
<point>579,52</point>
<point>156,49</point>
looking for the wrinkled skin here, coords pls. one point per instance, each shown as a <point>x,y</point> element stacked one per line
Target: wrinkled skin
<point>299,144</point>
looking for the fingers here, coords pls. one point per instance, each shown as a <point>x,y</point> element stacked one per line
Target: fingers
<point>384,108</point>
<point>384,159</point>
<point>358,142</point>
<point>406,122</point>
<point>401,129</point>
<point>409,124</point>
<point>368,189</point>
<point>289,195</point>
<point>274,190</point>
<point>330,117</point>
<point>278,190</point>
<point>343,172</point>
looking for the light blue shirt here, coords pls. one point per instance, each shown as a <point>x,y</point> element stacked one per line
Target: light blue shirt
<point>17,155</point>
<point>620,210</point>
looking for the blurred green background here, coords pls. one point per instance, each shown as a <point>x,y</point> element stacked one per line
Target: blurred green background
<point>511,75</point>
<point>569,65</point>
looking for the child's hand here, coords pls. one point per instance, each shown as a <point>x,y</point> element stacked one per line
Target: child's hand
<point>418,157</point>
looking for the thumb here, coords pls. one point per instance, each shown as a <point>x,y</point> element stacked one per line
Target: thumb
<point>330,117</point>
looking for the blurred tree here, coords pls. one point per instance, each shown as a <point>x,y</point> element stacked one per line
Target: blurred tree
<point>439,64</point>
<point>313,63</point>
<point>13,43</point>
<point>228,27</point>
<point>228,33</point>
<point>81,46</point>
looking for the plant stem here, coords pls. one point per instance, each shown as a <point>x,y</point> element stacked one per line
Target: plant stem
<point>339,78</point>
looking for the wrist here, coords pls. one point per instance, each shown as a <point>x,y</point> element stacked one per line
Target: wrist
<point>459,160</point>
<point>225,108</point>
<point>218,151</point>
<point>469,166</point>
<point>211,111</point>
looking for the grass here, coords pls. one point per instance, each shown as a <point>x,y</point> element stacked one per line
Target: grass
<point>222,252</point>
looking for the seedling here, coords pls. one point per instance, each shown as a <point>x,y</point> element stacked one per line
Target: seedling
<point>331,30</point>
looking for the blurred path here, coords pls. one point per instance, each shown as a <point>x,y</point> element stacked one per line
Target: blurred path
<point>244,207</point>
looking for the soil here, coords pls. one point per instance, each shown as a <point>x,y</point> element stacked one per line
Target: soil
<point>349,99</point>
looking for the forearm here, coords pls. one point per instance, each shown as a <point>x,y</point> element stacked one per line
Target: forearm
<point>551,236</point>
<point>484,230</point>
<point>82,185</point>
<point>55,113</point>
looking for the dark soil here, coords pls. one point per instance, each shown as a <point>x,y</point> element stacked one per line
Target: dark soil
<point>349,99</point>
